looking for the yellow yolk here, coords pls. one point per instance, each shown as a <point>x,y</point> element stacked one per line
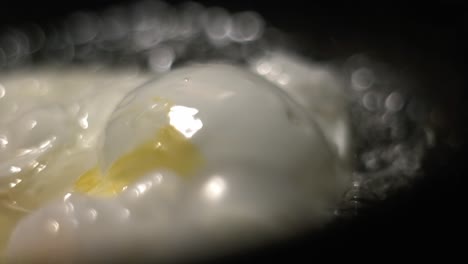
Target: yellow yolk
<point>168,149</point>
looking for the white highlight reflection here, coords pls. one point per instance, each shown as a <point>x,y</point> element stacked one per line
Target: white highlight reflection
<point>53,226</point>
<point>215,188</point>
<point>183,119</point>
<point>14,169</point>
<point>84,121</point>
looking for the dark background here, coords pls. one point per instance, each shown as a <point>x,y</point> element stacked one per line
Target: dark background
<point>428,40</point>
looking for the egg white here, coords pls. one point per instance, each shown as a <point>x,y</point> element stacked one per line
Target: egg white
<point>273,164</point>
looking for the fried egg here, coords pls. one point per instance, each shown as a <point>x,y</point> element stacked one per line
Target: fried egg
<point>99,164</point>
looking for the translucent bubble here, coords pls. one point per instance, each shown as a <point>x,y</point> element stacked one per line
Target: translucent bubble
<point>161,58</point>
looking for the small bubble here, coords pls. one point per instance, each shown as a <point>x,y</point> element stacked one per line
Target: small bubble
<point>91,214</point>
<point>52,226</point>
<point>263,67</point>
<point>161,59</point>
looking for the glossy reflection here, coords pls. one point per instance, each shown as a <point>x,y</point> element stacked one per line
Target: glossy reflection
<point>183,119</point>
<point>215,188</point>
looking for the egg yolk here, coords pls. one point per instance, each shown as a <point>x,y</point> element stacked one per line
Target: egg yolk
<point>168,149</point>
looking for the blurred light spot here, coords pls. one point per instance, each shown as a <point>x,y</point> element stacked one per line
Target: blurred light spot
<point>47,143</point>
<point>111,28</point>
<point>41,167</point>
<point>362,79</point>
<point>11,46</point>
<point>371,101</point>
<point>226,94</point>
<point>22,152</point>
<point>161,59</point>
<point>143,187</point>
<point>394,102</point>
<point>82,27</point>
<point>32,124</point>
<point>356,184</point>
<point>217,23</point>
<point>3,141</point>
<point>183,119</point>
<point>189,23</point>
<point>23,43</point>
<point>147,14</point>
<point>215,188</point>
<point>147,39</point>
<point>247,26</point>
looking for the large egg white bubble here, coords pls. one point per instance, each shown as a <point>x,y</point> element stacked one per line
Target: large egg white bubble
<point>268,169</point>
